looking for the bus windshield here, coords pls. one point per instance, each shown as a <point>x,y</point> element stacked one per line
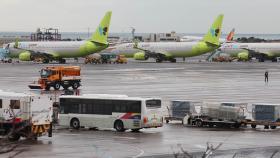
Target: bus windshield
<point>45,73</point>
<point>155,103</point>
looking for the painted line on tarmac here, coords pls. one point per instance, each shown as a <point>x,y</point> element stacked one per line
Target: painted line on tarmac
<point>141,152</point>
<point>130,138</point>
<point>155,69</point>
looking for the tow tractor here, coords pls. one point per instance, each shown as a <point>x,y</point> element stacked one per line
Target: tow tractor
<point>57,76</point>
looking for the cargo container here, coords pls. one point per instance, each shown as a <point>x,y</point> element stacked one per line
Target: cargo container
<point>179,109</point>
<point>267,115</point>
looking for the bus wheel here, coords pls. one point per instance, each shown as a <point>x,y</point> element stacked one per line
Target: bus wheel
<point>135,130</point>
<point>119,126</point>
<point>75,123</point>
<point>14,137</point>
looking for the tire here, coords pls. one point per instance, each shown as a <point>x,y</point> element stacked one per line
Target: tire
<point>199,123</point>
<point>118,125</point>
<point>75,85</point>
<point>272,127</point>
<point>135,130</point>
<point>253,126</point>
<point>14,137</point>
<point>266,127</point>
<point>75,123</point>
<point>167,121</point>
<point>56,86</point>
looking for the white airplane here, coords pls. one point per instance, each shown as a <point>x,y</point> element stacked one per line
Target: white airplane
<point>247,51</point>
<point>168,51</point>
<point>58,50</point>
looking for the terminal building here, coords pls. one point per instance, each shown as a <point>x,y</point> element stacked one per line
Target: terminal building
<point>163,37</point>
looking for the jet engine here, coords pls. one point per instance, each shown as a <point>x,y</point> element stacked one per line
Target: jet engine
<point>25,56</point>
<point>141,56</point>
<point>243,56</point>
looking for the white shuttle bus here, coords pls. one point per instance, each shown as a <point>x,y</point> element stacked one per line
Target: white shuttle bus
<point>110,111</point>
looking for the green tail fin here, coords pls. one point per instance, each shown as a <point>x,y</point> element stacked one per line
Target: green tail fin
<point>101,33</point>
<point>214,32</point>
<point>16,43</point>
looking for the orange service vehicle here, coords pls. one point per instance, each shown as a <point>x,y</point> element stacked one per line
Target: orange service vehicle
<point>58,76</point>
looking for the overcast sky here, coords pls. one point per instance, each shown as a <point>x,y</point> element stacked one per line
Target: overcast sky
<point>183,16</point>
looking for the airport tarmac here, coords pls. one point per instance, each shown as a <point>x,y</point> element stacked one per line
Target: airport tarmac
<point>242,82</point>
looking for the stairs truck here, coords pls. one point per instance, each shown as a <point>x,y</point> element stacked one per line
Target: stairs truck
<point>24,115</point>
<point>58,76</point>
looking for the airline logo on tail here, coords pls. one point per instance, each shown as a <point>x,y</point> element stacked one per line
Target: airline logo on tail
<point>230,35</point>
<point>215,32</point>
<point>103,31</point>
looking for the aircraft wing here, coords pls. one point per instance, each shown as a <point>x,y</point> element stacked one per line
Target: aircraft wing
<point>40,54</point>
<point>256,53</point>
<point>153,53</point>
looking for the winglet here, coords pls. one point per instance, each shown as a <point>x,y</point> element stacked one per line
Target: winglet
<point>214,32</point>
<point>101,33</point>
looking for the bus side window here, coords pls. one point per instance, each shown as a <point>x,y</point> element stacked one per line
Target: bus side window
<point>123,107</point>
<point>108,107</point>
<point>15,104</point>
<point>1,106</point>
<point>116,107</point>
<point>74,108</point>
<point>83,108</point>
<point>134,106</point>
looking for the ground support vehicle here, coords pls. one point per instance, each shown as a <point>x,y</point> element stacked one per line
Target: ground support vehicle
<point>179,109</point>
<point>24,115</point>
<point>216,115</point>
<point>120,59</point>
<point>104,58</point>
<point>57,76</point>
